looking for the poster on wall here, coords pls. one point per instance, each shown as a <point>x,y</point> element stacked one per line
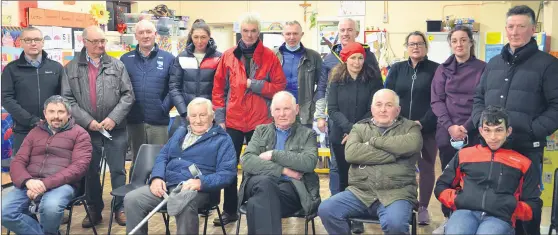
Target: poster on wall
<point>78,40</point>
<point>63,36</point>
<point>55,54</point>
<point>48,36</point>
<point>10,54</point>
<point>352,8</point>
<point>67,56</point>
<point>491,51</point>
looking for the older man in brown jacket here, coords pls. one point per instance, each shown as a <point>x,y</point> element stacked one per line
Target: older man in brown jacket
<point>52,159</point>
<point>382,152</point>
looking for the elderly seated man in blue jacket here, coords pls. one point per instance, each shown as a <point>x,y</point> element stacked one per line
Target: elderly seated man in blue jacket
<point>201,143</point>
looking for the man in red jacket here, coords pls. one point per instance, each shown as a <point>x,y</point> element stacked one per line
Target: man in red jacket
<point>53,157</point>
<point>488,186</point>
<point>246,79</point>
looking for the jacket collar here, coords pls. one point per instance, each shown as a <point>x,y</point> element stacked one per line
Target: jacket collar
<point>419,64</point>
<point>22,62</point>
<point>210,49</point>
<point>451,63</point>
<point>521,54</point>
<point>69,125</point>
<point>257,52</point>
<point>283,48</point>
<point>152,54</point>
<point>105,59</point>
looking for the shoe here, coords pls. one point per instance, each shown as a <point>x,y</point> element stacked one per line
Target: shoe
<point>440,230</point>
<point>97,219</point>
<point>357,227</point>
<point>208,214</point>
<point>65,219</point>
<point>423,216</point>
<point>120,218</point>
<point>227,218</point>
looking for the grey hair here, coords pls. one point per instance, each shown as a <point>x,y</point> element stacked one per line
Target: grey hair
<point>383,91</point>
<point>355,23</point>
<point>251,18</point>
<point>282,94</point>
<point>148,23</point>
<point>200,101</point>
<point>31,28</point>
<point>294,22</point>
<point>57,99</point>
<point>93,27</point>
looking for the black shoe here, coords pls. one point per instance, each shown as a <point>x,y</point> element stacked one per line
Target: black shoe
<point>227,218</point>
<point>357,227</point>
<point>209,213</point>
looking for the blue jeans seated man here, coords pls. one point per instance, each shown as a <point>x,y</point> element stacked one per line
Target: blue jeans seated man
<point>382,170</point>
<point>488,186</point>
<point>53,158</point>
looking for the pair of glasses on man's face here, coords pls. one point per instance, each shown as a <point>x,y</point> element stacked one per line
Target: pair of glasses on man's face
<point>31,40</point>
<point>99,41</point>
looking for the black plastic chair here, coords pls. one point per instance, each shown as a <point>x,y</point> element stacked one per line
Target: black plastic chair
<point>376,220</point>
<point>554,208</point>
<point>81,199</point>
<point>145,161</point>
<point>307,218</point>
<point>213,204</point>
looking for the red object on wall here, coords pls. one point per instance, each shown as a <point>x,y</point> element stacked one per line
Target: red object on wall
<point>23,9</point>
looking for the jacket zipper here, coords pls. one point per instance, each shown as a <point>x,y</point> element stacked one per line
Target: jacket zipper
<point>39,89</point>
<point>414,77</point>
<point>488,180</point>
<point>500,177</point>
<point>46,155</point>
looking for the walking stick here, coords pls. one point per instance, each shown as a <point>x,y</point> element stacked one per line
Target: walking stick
<point>155,210</point>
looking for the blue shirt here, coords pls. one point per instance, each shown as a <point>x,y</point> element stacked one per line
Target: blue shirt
<point>281,136</point>
<point>90,60</point>
<point>35,63</point>
<point>291,62</point>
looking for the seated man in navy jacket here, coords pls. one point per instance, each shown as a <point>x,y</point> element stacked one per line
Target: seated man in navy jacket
<point>201,143</point>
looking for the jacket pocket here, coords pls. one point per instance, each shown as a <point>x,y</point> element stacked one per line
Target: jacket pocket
<point>112,78</point>
<point>508,180</point>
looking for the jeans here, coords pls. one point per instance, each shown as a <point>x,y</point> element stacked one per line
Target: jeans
<point>475,222</point>
<point>15,210</point>
<point>336,211</point>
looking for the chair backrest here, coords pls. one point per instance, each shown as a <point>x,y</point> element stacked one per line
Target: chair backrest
<point>144,162</point>
<point>176,123</point>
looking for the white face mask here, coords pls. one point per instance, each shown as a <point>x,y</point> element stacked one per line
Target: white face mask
<point>459,144</point>
<point>292,48</point>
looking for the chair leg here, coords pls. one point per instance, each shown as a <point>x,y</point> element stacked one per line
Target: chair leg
<point>551,227</point>
<point>104,169</point>
<point>166,219</point>
<point>111,217</point>
<point>306,226</point>
<point>237,223</point>
<point>8,232</point>
<point>88,216</point>
<point>69,220</point>
<point>313,227</point>
<point>414,225</point>
<point>205,222</point>
<point>221,221</point>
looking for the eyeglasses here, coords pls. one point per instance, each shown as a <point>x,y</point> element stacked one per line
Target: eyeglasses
<point>416,44</point>
<point>32,40</point>
<point>101,41</point>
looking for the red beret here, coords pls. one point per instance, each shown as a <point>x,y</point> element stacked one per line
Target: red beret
<point>351,48</point>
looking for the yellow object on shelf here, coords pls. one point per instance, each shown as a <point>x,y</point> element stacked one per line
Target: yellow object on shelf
<point>550,164</point>
<point>116,54</point>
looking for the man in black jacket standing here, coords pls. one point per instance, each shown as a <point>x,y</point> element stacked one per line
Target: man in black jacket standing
<point>524,81</point>
<point>27,82</point>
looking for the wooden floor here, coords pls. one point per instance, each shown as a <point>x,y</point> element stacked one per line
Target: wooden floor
<point>290,225</point>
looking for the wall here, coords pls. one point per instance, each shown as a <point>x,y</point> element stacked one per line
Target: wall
<point>12,8</point>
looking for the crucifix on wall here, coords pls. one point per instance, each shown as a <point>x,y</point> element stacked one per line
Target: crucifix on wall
<point>304,6</point>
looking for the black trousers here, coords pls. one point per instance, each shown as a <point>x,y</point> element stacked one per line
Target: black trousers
<point>342,166</point>
<point>532,227</point>
<point>268,200</point>
<point>230,192</point>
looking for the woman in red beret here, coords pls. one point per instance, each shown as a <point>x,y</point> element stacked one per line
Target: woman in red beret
<point>352,85</point>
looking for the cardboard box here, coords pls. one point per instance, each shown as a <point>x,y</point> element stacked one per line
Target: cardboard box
<point>36,16</point>
<point>550,164</point>
<point>66,19</point>
<point>52,17</point>
<point>79,20</point>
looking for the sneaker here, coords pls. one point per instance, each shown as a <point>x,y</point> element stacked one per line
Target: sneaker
<point>423,216</point>
<point>357,227</point>
<point>440,230</point>
<point>227,218</point>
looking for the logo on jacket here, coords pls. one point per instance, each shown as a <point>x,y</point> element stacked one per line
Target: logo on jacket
<point>48,72</point>
<point>160,64</point>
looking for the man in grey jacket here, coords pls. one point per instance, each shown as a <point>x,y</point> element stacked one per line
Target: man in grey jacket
<point>279,164</point>
<point>100,94</point>
<point>302,67</point>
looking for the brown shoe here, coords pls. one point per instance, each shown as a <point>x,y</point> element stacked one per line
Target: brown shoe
<point>120,218</point>
<point>97,219</point>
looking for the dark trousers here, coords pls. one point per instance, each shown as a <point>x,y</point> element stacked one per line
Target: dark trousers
<point>230,192</point>
<point>342,166</point>
<point>532,227</point>
<point>115,152</point>
<point>18,140</point>
<point>426,167</point>
<point>268,200</point>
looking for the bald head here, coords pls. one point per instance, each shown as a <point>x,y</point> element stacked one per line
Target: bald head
<point>385,107</point>
<point>94,41</point>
